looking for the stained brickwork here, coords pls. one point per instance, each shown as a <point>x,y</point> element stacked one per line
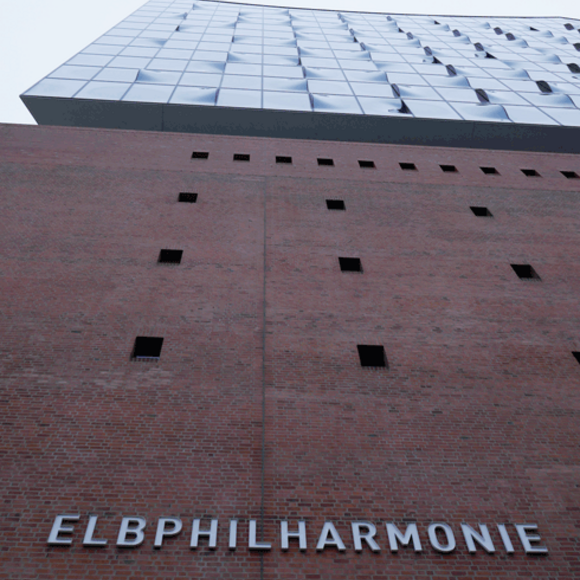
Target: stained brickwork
<point>258,407</point>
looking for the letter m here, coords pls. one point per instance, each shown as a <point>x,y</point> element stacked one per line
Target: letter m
<point>395,536</point>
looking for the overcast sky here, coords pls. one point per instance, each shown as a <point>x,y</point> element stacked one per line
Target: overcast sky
<point>36,36</point>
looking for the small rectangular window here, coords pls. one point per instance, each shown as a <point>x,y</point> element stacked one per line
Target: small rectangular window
<point>408,166</point>
<point>350,264</point>
<point>480,211</point>
<point>241,157</point>
<point>366,164</point>
<point>170,256</point>
<point>283,159</point>
<point>490,170</point>
<point>200,155</point>
<point>147,348</point>
<point>372,355</point>
<point>187,197</point>
<point>525,272</point>
<point>530,173</point>
<point>335,204</point>
<point>448,168</point>
<point>325,161</point>
<point>570,174</point>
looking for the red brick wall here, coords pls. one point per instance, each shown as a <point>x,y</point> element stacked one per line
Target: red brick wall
<point>475,420</point>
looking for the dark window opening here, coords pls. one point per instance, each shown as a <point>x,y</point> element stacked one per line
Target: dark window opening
<point>187,197</point>
<point>480,211</point>
<point>350,264</point>
<point>490,170</point>
<point>283,159</point>
<point>530,173</point>
<point>147,348</point>
<point>324,161</point>
<point>525,272</point>
<point>241,157</point>
<point>200,155</point>
<point>408,166</point>
<point>448,168</point>
<point>170,256</point>
<point>576,355</point>
<point>570,174</point>
<point>568,26</point>
<point>366,164</point>
<point>335,204</point>
<point>371,355</point>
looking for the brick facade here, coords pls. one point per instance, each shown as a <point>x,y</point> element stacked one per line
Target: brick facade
<point>258,407</point>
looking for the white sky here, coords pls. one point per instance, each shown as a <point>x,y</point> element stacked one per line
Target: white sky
<point>36,36</point>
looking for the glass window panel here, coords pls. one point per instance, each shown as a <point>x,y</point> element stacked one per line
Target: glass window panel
<point>388,57</point>
<point>158,77</point>
<point>422,93</point>
<point>564,116</point>
<point>329,87</point>
<point>542,76</point>
<point>149,93</point>
<point>472,112</point>
<point>311,44</point>
<point>336,104</point>
<point>405,79</point>
<point>217,46</point>
<point>505,98</point>
<point>117,74</point>
<point>102,49</point>
<point>175,53</point>
<point>139,51</point>
<point>243,69</point>
<point>549,100</point>
<point>515,85</point>
<point>281,60</point>
<point>358,65</point>
<point>218,38</point>
<point>167,64</point>
<point>182,44</point>
<point>316,52</point>
<point>148,42</point>
<point>247,48</point>
<point>566,88</point>
<point>156,35</point>
<point>461,95</point>
<point>119,41</point>
<point>279,84</point>
<point>529,115</point>
<point>366,77</point>
<point>90,60</point>
<point>329,74</point>
<point>431,69</point>
<point>395,67</point>
<point>201,79</point>
<point>206,67</point>
<point>372,89</point>
<point>294,72</point>
<point>352,55</point>
<point>383,107</point>
<point>239,98</point>
<point>129,62</point>
<point>319,62</point>
<point>431,109</point>
<point>56,88</point>
<point>209,56</point>
<point>103,91</point>
<point>75,72</point>
<point>450,82</point>
<point>287,101</point>
<point>485,83</point>
<point>281,50</point>
<point>245,58</point>
<point>241,82</point>
<point>185,37</point>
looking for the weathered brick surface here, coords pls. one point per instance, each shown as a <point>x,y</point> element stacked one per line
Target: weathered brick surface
<point>476,419</point>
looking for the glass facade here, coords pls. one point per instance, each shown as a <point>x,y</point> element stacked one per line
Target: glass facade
<point>215,54</point>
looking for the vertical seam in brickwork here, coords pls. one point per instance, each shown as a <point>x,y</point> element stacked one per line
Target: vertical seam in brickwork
<point>263,474</point>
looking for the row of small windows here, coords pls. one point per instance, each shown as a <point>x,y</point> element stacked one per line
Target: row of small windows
<point>337,204</point>
<point>349,264</point>
<point>368,164</point>
<point>148,348</point>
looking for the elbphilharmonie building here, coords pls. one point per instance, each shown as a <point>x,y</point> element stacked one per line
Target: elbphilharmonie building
<point>294,294</point>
